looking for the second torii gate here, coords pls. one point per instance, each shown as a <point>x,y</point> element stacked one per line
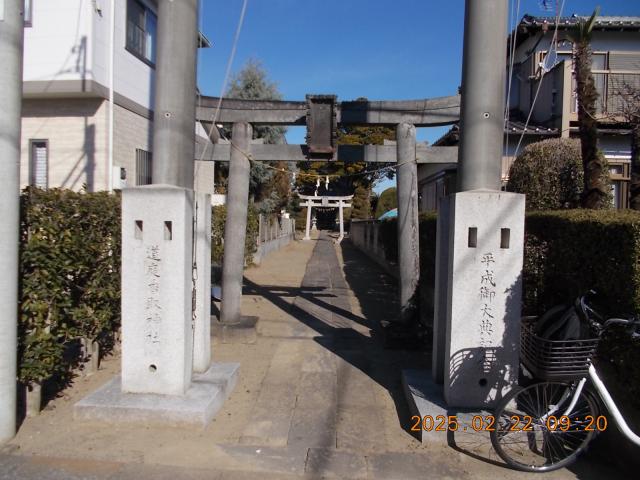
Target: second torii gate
<point>326,202</point>
<point>322,115</point>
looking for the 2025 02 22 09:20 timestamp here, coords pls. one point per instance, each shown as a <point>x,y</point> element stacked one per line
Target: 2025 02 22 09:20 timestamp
<point>487,423</point>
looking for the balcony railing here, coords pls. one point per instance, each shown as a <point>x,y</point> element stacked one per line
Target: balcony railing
<point>613,92</point>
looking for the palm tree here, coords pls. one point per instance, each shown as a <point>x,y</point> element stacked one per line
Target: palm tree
<point>596,175</point>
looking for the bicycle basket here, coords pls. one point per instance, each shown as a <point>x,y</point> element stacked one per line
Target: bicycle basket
<point>555,359</point>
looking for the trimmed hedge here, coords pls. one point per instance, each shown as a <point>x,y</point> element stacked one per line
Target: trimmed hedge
<point>219,217</point>
<point>70,249</point>
<point>69,276</point>
<point>550,173</point>
<point>567,253</point>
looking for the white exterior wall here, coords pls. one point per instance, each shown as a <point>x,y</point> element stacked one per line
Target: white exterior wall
<point>133,78</point>
<point>70,40</point>
<point>58,45</point>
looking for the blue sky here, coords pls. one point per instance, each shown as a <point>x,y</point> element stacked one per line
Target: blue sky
<point>381,50</point>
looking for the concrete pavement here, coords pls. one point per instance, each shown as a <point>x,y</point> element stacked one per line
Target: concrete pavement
<point>318,396</point>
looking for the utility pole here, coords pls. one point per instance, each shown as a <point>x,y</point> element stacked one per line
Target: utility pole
<point>483,91</point>
<point>175,104</point>
<point>11,41</point>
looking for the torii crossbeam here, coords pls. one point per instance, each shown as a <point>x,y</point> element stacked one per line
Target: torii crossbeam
<point>322,115</point>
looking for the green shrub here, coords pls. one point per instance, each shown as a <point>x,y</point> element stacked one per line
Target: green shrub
<point>69,275</point>
<point>388,200</point>
<point>567,253</point>
<point>217,234</point>
<point>550,173</point>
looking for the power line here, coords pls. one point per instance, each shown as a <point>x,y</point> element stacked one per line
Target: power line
<point>554,41</point>
<point>232,55</point>
<point>514,19</point>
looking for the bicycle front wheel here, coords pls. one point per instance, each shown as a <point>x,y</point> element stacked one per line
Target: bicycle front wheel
<point>535,433</point>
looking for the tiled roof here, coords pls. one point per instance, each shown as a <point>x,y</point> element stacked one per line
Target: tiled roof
<point>531,24</point>
<point>518,127</point>
<point>607,22</point>
<point>515,127</point>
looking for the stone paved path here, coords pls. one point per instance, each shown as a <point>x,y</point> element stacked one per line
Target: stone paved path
<point>318,396</point>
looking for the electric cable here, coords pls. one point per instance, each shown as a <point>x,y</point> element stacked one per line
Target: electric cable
<point>542,74</point>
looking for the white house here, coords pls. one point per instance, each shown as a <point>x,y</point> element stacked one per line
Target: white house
<point>76,58</point>
<point>544,70</point>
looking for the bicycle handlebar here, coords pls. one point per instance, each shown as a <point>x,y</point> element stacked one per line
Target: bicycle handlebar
<point>601,324</point>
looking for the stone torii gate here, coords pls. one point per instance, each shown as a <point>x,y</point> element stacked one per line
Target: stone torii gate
<point>327,202</point>
<point>322,115</point>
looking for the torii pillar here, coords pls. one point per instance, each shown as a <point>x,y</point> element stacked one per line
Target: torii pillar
<point>235,228</point>
<point>408,227</point>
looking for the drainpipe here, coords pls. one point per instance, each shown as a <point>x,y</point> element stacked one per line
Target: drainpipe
<point>112,34</point>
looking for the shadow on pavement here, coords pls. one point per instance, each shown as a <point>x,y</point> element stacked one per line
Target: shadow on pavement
<point>322,303</point>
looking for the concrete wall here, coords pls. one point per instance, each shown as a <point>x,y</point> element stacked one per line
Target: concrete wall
<point>365,235</point>
<point>273,236</point>
<point>77,136</point>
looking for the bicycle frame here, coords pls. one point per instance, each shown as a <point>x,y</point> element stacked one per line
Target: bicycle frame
<point>564,398</point>
<point>606,398</point>
<point>613,409</point>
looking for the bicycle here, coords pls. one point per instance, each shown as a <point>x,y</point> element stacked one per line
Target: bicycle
<point>546,425</point>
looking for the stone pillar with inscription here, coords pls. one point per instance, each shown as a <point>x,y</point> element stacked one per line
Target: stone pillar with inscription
<point>486,244</point>
<point>165,377</point>
<point>157,330</point>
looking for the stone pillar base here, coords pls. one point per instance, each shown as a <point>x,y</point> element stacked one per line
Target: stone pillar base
<point>244,331</point>
<point>197,407</point>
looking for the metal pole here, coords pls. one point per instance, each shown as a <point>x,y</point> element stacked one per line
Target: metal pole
<point>235,227</point>
<point>408,248</point>
<point>483,91</point>
<point>175,100</point>
<point>112,49</point>
<point>11,41</point>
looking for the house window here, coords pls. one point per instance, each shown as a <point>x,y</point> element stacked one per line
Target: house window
<point>39,163</point>
<point>142,26</point>
<point>144,167</point>
<point>28,12</point>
